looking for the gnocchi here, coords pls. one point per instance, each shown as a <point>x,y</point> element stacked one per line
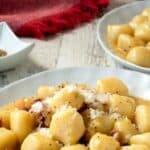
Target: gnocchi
<point>46,91</point>
<point>5,118</point>
<point>141,139</point>
<point>101,123</point>
<point>132,46</point>
<point>22,123</point>
<point>143,113</point>
<point>67,126</point>
<point>111,85</point>
<point>103,142</point>
<point>135,147</point>
<point>77,117</point>
<point>74,147</point>
<point>8,139</point>
<point>115,30</point>
<point>138,20</point>
<point>123,105</point>
<point>126,42</point>
<point>38,141</point>
<point>69,95</point>
<point>139,56</point>
<point>125,129</point>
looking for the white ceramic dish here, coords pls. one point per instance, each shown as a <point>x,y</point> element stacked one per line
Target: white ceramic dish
<point>119,16</point>
<point>138,83</point>
<point>17,50</point>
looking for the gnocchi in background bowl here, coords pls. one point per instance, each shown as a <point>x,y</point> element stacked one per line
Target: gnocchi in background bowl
<point>124,33</point>
<point>77,117</point>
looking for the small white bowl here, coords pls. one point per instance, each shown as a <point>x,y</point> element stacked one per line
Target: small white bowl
<point>120,15</point>
<point>16,49</point>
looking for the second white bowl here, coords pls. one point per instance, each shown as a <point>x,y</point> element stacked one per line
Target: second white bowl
<point>120,15</point>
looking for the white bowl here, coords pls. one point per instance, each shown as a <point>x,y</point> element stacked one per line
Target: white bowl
<point>138,83</point>
<point>16,49</point>
<point>120,15</point>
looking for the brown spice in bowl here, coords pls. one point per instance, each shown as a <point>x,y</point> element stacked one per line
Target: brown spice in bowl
<point>2,53</point>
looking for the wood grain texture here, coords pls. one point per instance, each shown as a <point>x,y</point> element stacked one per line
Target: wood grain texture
<point>78,47</point>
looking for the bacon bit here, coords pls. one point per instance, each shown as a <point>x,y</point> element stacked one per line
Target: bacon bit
<point>43,117</point>
<point>25,104</point>
<point>86,116</point>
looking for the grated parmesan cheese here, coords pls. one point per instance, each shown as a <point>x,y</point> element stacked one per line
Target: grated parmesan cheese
<point>63,108</point>
<point>89,96</point>
<point>71,88</point>
<point>103,98</point>
<point>95,113</point>
<point>116,116</point>
<point>47,101</point>
<point>37,107</point>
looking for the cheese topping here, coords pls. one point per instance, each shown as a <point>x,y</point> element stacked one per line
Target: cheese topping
<point>89,96</point>
<point>71,88</point>
<point>116,116</point>
<point>37,107</point>
<point>103,98</point>
<point>95,113</point>
<point>47,101</point>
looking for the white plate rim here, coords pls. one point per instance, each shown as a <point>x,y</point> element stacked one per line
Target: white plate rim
<point>109,51</point>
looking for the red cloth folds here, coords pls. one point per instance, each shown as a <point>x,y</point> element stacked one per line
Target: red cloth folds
<point>38,18</point>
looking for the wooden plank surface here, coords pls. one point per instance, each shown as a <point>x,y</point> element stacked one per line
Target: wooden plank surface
<point>78,47</point>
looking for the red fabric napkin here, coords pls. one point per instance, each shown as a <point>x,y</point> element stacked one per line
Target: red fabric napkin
<point>38,18</point>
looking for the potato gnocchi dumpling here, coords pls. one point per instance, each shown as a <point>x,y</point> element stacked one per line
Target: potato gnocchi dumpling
<point>126,42</point>
<point>77,117</point>
<point>74,147</point>
<point>141,139</point>
<point>115,30</point>
<point>139,56</point>
<point>67,126</point>
<point>102,123</point>
<point>69,96</point>
<point>132,46</point>
<point>111,85</point>
<point>146,12</point>
<point>22,123</point>
<point>142,32</point>
<point>37,141</point>
<point>143,113</point>
<point>123,105</point>
<point>46,91</point>
<point>5,118</point>
<point>125,129</point>
<point>103,142</point>
<point>8,139</point>
<point>138,20</point>
<point>135,147</point>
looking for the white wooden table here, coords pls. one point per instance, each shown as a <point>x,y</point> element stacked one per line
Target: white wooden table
<point>78,47</point>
